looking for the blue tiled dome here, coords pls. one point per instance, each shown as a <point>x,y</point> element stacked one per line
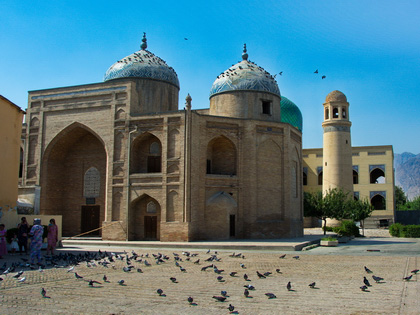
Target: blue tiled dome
<point>142,64</point>
<point>245,75</point>
<point>290,113</point>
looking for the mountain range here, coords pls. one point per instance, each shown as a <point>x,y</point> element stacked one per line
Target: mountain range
<point>407,173</point>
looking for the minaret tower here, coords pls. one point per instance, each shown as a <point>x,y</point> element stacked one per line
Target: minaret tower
<point>337,168</point>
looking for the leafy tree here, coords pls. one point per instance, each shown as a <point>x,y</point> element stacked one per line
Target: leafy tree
<point>359,210</point>
<point>332,205</point>
<point>400,197</point>
<point>411,205</point>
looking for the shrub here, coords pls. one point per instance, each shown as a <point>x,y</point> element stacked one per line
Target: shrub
<point>410,231</point>
<point>328,228</point>
<point>347,228</point>
<point>329,238</point>
<point>395,229</point>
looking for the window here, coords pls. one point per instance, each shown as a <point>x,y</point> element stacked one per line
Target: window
<point>355,177</point>
<point>335,112</point>
<point>320,178</point>
<point>151,207</point>
<point>343,111</point>
<point>327,113</point>
<point>266,107</point>
<point>305,179</point>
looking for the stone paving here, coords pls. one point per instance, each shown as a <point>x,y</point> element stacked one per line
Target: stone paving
<point>338,280</point>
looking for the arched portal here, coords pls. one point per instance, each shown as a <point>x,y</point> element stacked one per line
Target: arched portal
<point>73,177</point>
<point>146,154</point>
<point>221,156</point>
<point>378,202</point>
<point>220,216</point>
<point>144,219</point>
<point>377,176</point>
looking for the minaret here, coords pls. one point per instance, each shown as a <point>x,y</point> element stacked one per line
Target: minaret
<point>337,168</point>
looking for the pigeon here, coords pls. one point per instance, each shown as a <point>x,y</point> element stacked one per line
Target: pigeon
<point>44,294</point>
<point>368,270</point>
<point>190,300</point>
<point>139,270</point>
<point>70,269</point>
<point>233,274</point>
<point>366,282</point>
<point>246,277</point>
<point>282,256</point>
<point>219,298</point>
<point>271,295</point>
<point>105,278</point>
<point>160,292</point>
<point>121,282</point>
<point>77,276</point>
<point>231,308</point>
<point>408,278</point>
<point>267,273</point>
<point>246,293</point>
<point>249,287</point>
<point>224,293</point>
<point>92,282</point>
<point>197,262</point>
<point>312,285</point>
<point>18,274</point>
<point>243,266</point>
<point>173,279</point>
<point>220,279</point>
<point>22,279</point>
<point>260,275</point>
<point>316,71</point>
<point>289,286</point>
<point>278,270</point>
<point>377,279</point>
<point>296,257</point>
<point>363,288</point>
<point>415,271</point>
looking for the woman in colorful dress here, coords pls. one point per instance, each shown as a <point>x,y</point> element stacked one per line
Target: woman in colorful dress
<point>3,247</point>
<point>52,236</point>
<point>36,241</point>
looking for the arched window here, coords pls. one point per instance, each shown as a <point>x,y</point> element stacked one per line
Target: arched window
<point>378,202</point>
<point>146,154</point>
<point>320,178</point>
<point>355,177</point>
<point>305,179</point>
<point>377,176</point>
<point>327,113</point>
<point>343,113</point>
<point>335,112</point>
<point>91,184</point>
<point>151,207</point>
<point>221,157</point>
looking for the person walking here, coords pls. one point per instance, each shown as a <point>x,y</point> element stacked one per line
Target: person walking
<point>36,241</point>
<point>52,237</point>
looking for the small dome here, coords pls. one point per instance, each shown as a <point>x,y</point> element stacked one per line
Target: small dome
<point>336,96</point>
<point>142,64</point>
<point>290,113</point>
<point>245,75</point>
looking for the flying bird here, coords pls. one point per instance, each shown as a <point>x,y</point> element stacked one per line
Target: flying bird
<point>185,38</point>
<point>323,77</point>
<point>316,71</point>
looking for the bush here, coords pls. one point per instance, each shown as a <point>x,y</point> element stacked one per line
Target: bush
<point>328,228</point>
<point>410,231</point>
<point>395,229</point>
<point>347,228</point>
<point>329,238</point>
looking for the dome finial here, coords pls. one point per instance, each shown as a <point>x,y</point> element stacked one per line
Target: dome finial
<point>244,55</point>
<point>143,45</point>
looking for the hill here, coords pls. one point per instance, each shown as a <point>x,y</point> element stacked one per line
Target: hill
<point>407,173</point>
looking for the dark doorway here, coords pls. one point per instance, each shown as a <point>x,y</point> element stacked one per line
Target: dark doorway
<point>150,228</point>
<point>90,220</point>
<point>153,164</point>
<point>232,225</point>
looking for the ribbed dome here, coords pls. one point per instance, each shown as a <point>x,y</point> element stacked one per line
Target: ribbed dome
<point>335,96</point>
<point>245,75</point>
<point>142,64</point>
<point>290,113</point>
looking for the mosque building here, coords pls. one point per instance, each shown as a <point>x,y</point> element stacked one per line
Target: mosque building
<point>118,157</point>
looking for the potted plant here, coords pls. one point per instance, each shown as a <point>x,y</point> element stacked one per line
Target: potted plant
<point>329,241</point>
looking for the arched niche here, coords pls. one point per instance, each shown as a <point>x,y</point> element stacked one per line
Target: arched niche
<point>221,156</point>
<point>146,154</point>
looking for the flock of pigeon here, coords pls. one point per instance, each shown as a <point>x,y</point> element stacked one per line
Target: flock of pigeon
<point>134,263</point>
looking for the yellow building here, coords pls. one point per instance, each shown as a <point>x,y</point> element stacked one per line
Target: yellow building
<point>373,178</point>
<point>11,117</point>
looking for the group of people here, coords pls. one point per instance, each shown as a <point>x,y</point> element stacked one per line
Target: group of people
<point>35,234</point>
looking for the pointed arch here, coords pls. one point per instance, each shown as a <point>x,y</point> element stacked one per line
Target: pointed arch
<point>34,122</point>
<point>173,144</point>
<point>116,206</point>
<point>219,209</point>
<point>120,114</point>
<point>144,219</point>
<point>73,153</point>
<point>172,212</point>
<point>146,154</point>
<point>221,156</point>
<point>118,146</point>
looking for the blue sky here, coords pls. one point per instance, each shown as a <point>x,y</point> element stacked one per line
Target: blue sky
<point>369,50</point>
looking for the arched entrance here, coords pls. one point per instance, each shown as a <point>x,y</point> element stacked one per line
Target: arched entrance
<point>220,217</point>
<point>73,177</point>
<point>144,218</point>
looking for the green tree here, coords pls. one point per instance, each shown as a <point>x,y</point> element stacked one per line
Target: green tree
<point>332,205</point>
<point>411,205</point>
<point>359,210</point>
<point>400,197</point>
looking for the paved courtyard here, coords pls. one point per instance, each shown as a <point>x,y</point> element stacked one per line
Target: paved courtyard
<point>338,280</point>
